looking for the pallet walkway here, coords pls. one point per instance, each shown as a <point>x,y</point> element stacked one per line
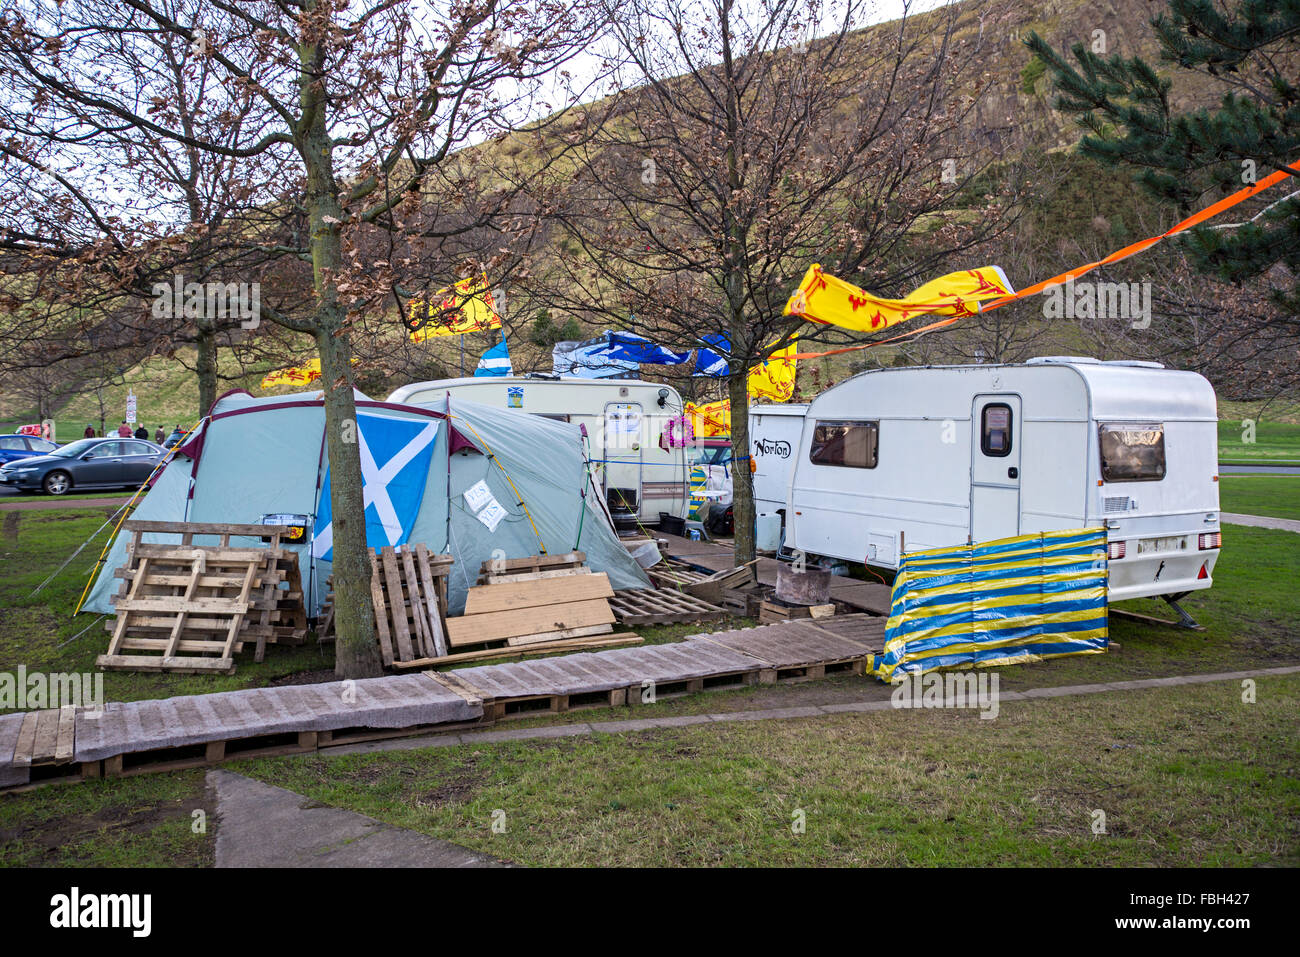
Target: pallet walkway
<point>188,731</point>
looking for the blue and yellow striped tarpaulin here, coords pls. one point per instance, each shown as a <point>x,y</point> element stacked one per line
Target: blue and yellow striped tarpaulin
<point>1002,602</point>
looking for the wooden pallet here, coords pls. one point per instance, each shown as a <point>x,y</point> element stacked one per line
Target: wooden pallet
<point>532,568</point>
<point>772,612</point>
<point>275,613</point>
<point>45,743</point>
<point>408,586</point>
<point>648,606</point>
<point>519,609</point>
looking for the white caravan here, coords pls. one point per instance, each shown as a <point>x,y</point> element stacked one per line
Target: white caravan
<point>897,460</point>
<point>774,432</point>
<point>625,420</point>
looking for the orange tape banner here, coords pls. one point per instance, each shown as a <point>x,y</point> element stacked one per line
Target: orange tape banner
<point>1132,249</point>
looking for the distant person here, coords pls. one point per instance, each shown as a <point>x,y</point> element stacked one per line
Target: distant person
<point>124,430</point>
<point>142,432</point>
<point>159,436</point>
<point>90,432</point>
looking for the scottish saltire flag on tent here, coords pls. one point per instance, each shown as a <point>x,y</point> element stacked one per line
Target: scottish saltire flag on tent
<point>1002,602</point>
<point>395,456</point>
<point>496,361</point>
<point>709,362</point>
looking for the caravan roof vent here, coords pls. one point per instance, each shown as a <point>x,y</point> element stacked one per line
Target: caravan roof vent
<point>1139,363</point>
<point>1073,360</point>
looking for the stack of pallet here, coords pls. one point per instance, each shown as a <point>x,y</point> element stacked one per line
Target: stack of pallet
<point>408,588</point>
<point>189,608</point>
<point>538,604</point>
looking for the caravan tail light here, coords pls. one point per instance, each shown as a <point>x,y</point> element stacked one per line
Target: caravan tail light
<point>1115,550</point>
<point>1209,540</point>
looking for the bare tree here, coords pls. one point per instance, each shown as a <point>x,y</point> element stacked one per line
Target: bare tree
<point>339,118</point>
<point>754,139</point>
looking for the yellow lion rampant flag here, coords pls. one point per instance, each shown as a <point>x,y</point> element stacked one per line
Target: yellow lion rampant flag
<point>294,375</point>
<point>823,299</point>
<point>773,378</point>
<point>467,306</point>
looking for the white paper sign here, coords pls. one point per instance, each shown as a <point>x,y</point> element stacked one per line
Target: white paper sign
<point>478,495</point>
<point>492,514</point>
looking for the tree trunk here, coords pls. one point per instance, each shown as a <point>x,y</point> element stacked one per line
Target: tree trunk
<point>356,652</point>
<point>206,365</point>
<point>742,476</point>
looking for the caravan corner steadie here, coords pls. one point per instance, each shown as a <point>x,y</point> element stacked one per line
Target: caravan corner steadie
<point>896,460</point>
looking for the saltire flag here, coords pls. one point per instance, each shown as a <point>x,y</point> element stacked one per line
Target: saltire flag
<point>589,359</point>
<point>773,378</point>
<point>468,306</point>
<point>713,362</point>
<point>823,299</point>
<point>496,361</point>
<point>295,375</point>
<point>629,347</point>
<point>395,457</point>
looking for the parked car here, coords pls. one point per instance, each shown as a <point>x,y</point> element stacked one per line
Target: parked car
<point>15,447</point>
<point>85,464</point>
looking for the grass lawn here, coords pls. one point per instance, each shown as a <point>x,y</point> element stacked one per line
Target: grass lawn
<point>146,821</point>
<point>1185,776</point>
<point>40,632</point>
<point>1275,443</point>
<point>1274,495</point>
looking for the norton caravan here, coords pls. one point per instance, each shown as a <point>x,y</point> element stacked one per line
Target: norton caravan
<point>897,460</point>
<point>640,472</point>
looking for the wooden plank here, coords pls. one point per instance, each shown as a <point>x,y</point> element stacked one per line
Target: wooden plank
<point>159,663</point>
<point>47,736</point>
<point>531,563</point>
<point>402,650</point>
<point>532,576</point>
<point>437,630</point>
<point>184,605</point>
<point>63,748</point>
<point>476,629</point>
<point>538,639</point>
<point>26,740</point>
<point>485,599</point>
<point>618,639</point>
<point>206,528</point>
<point>381,611</point>
<point>423,644</point>
<point>214,554</point>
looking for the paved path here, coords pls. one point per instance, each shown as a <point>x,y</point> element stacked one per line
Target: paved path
<point>260,825</point>
<point>808,711</point>
<point>1260,521</point>
<point>1259,469</point>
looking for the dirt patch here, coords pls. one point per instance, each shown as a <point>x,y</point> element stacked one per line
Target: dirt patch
<point>318,677</point>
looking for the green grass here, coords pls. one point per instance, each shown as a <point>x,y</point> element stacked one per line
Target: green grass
<point>146,821</point>
<point>1272,443</point>
<point>41,633</point>
<point>1187,776</point>
<point>1274,495</point>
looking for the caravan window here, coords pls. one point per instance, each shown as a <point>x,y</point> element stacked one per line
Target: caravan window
<point>850,444</point>
<point>995,429</point>
<point>1132,452</point>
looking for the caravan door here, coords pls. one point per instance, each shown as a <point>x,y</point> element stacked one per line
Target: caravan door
<point>995,467</point>
<point>623,461</point>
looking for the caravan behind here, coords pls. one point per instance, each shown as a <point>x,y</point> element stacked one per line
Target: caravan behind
<point>624,419</point>
<point>906,459</point>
